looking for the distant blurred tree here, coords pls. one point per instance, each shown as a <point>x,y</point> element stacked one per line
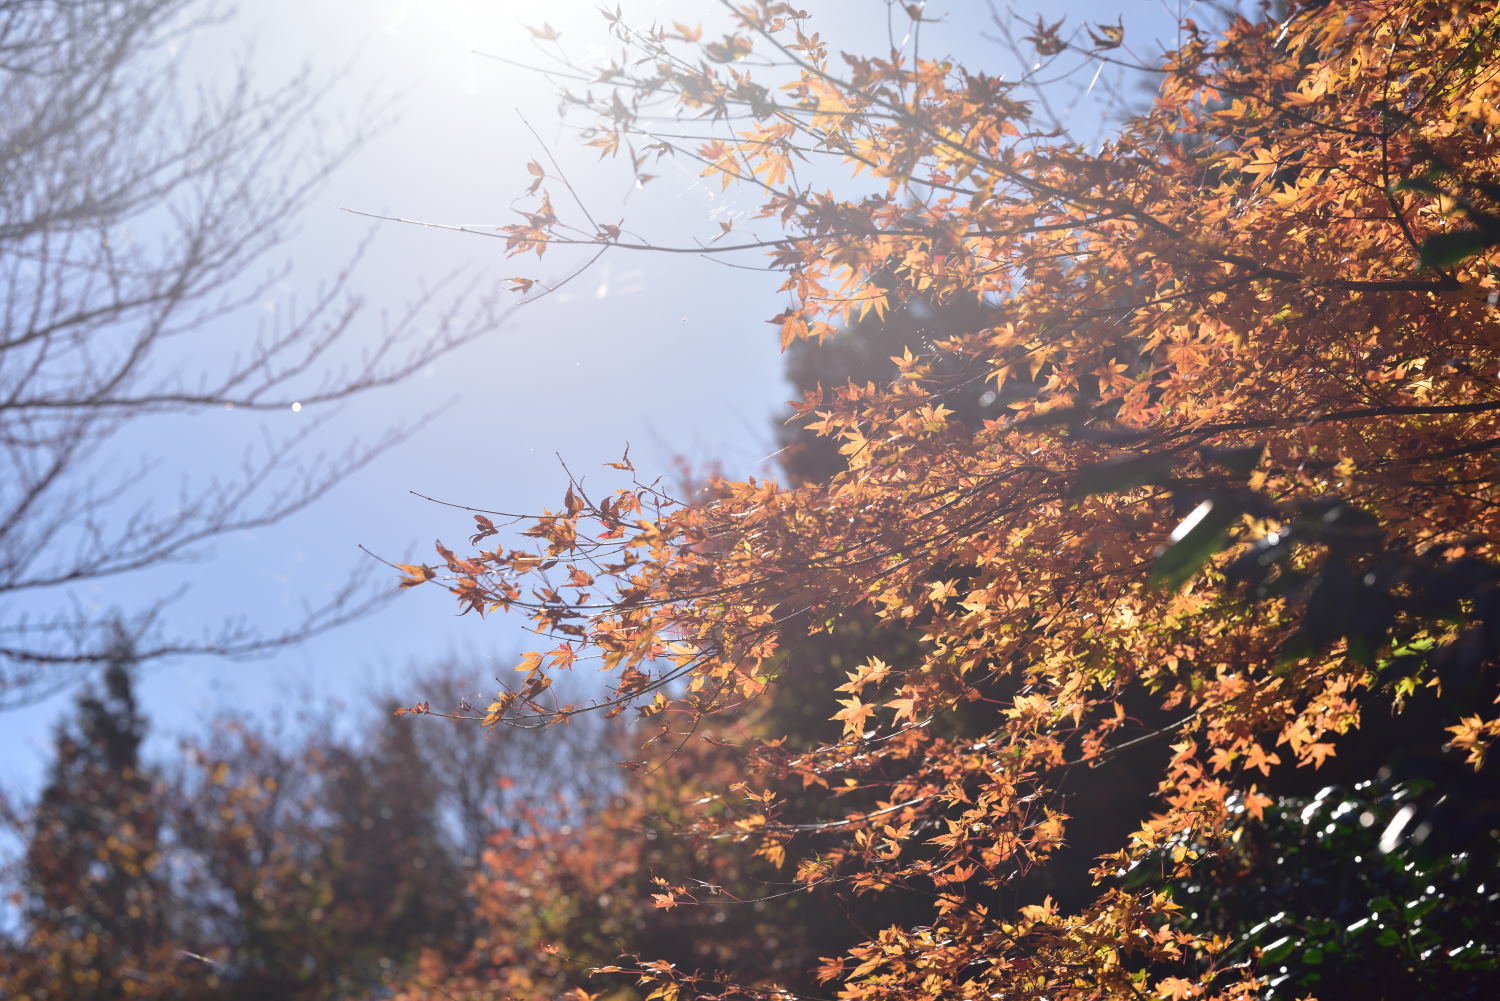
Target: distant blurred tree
<point>396,874</point>
<point>93,889</point>
<point>482,786</point>
<point>311,867</point>
<point>136,212</point>
<point>270,861</point>
<point>93,793</point>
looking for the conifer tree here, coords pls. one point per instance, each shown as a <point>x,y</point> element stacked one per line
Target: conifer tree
<point>94,890</point>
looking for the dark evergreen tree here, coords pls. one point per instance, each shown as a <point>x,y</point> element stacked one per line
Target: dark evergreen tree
<point>92,881</point>
<point>394,869</point>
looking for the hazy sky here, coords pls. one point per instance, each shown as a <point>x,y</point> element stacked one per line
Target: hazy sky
<point>671,355</point>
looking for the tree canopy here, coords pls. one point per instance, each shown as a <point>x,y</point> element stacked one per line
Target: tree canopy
<point>1236,513</point>
<point>265,859</point>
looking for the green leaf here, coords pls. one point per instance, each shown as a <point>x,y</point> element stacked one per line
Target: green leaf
<point>1199,536</point>
<point>1278,950</point>
<point>1120,474</point>
<point>1443,249</point>
<point>1239,461</point>
<point>1419,185</point>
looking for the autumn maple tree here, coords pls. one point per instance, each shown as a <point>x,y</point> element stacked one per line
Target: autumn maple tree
<point>1237,503</point>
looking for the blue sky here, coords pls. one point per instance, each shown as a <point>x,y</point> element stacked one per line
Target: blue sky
<point>670,355</point>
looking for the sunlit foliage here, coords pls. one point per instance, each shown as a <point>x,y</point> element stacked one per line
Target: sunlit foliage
<point>1243,506</point>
